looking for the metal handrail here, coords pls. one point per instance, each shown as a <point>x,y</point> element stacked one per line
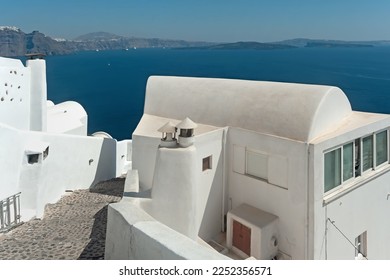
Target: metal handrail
<point>10,212</point>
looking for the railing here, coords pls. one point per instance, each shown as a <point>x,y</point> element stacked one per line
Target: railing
<point>10,212</point>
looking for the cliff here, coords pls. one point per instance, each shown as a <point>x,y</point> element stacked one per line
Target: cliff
<point>14,42</point>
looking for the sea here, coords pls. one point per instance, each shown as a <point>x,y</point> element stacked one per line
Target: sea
<point>110,85</point>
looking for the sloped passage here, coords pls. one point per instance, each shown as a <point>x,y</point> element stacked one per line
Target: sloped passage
<point>73,228</point>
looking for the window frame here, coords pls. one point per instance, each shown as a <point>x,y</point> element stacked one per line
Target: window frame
<point>33,158</point>
<point>373,148</point>
<point>342,181</point>
<point>387,161</point>
<point>361,245</point>
<point>207,163</point>
<point>357,172</point>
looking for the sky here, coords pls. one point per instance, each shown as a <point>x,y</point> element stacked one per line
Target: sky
<point>204,20</point>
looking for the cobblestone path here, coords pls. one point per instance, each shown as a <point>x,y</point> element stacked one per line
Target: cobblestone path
<point>73,228</point>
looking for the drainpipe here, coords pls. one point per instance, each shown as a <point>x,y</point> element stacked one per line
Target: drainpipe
<point>223,178</point>
<point>307,221</point>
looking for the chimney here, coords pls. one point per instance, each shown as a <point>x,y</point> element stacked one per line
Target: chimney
<point>38,108</point>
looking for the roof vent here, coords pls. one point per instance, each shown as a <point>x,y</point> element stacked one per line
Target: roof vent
<point>168,138</point>
<point>186,135</point>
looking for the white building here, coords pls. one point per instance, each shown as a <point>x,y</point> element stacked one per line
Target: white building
<point>44,148</point>
<point>282,170</point>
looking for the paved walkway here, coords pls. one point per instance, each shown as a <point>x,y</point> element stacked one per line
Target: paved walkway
<point>73,228</point>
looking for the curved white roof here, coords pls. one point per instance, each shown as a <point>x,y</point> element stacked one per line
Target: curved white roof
<point>295,111</point>
<point>65,116</point>
<point>71,109</point>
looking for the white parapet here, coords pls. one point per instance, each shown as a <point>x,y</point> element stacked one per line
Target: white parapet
<point>134,234</point>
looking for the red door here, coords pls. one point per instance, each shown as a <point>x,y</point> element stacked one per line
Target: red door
<point>242,237</point>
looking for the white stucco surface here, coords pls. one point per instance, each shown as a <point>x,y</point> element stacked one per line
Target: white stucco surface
<point>15,84</point>
<point>133,234</point>
<point>266,142</point>
<point>288,202</point>
<point>38,95</point>
<point>294,111</point>
<point>355,207</point>
<point>67,117</point>
<point>44,148</point>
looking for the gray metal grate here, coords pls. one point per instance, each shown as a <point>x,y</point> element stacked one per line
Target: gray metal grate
<point>10,212</point>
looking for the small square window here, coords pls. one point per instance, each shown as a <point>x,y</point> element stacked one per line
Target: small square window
<point>206,163</point>
<point>33,158</point>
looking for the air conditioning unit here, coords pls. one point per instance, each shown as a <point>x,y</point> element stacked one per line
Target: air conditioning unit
<point>252,232</point>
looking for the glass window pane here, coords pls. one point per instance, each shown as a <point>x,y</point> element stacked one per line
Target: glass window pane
<point>381,147</point>
<point>367,153</point>
<point>347,161</point>
<point>332,172</point>
<point>257,164</point>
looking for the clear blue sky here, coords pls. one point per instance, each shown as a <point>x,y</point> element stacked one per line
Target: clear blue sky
<point>208,20</point>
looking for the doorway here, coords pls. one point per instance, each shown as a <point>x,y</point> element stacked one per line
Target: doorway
<point>242,237</point>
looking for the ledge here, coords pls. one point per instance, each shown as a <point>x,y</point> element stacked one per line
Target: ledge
<point>364,179</point>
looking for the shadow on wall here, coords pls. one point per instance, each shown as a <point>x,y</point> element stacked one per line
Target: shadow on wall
<point>211,224</point>
<point>106,165</point>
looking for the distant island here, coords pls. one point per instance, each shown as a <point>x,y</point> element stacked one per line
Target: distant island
<point>244,46</point>
<point>336,45</point>
<point>14,42</point>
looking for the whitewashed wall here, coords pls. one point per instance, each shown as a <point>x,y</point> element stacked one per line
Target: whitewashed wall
<point>11,155</point>
<point>133,234</point>
<point>289,203</point>
<point>14,93</point>
<point>123,157</point>
<point>73,162</point>
<point>174,190</point>
<point>364,208</point>
<point>144,158</point>
<point>210,189</point>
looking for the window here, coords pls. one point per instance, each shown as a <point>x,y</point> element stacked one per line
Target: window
<point>32,158</point>
<point>381,148</point>
<point>256,164</point>
<point>352,159</point>
<point>348,164</point>
<point>332,169</point>
<point>361,244</point>
<point>368,155</point>
<point>206,163</point>
<point>339,166</point>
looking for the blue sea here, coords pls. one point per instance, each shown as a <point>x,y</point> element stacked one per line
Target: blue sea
<point>111,84</point>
